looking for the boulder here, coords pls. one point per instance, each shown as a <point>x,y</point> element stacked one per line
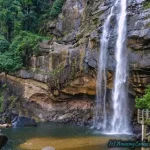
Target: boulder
<point>6,125</point>
<point>91,59</point>
<point>48,148</point>
<point>3,140</point>
<point>19,121</point>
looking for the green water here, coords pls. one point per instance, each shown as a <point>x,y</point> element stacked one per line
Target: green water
<point>62,137</point>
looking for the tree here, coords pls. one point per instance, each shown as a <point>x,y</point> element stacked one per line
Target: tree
<point>9,62</point>
<point>20,27</point>
<point>11,18</point>
<point>4,44</point>
<point>56,8</point>
<point>144,101</point>
<point>27,47</point>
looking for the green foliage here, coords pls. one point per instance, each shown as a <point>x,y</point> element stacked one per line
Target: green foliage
<point>146,4</point>
<point>23,46</point>
<point>1,102</point>
<point>144,102</point>
<point>11,17</point>
<point>12,100</point>
<point>26,41</point>
<point>58,70</point>
<point>26,15</point>
<point>20,23</point>
<point>27,47</point>
<point>9,62</point>
<point>2,89</point>
<point>56,8</point>
<point>19,15</point>
<point>3,44</point>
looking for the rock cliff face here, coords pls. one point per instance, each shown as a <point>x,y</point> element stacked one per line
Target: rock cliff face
<point>139,47</point>
<point>61,81</point>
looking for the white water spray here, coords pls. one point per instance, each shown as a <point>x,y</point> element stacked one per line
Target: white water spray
<point>120,123</point>
<point>102,77</point>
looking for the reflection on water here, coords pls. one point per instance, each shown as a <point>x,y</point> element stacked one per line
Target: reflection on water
<point>61,137</point>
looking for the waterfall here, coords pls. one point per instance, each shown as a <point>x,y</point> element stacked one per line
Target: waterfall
<point>102,77</point>
<point>119,122</point>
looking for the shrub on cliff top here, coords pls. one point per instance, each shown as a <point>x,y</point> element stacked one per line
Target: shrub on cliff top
<point>146,4</point>
<point>25,41</point>
<point>56,8</point>
<point>9,62</point>
<point>25,45</point>
<point>144,101</point>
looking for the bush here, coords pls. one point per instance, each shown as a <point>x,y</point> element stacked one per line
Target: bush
<point>146,4</point>
<point>25,45</point>
<point>144,102</point>
<point>56,8</point>
<point>9,62</point>
<point>26,41</point>
<point>3,44</point>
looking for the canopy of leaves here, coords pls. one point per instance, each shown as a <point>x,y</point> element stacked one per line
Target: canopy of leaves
<point>27,47</point>
<point>56,8</point>
<point>26,15</point>
<point>29,42</point>
<point>4,44</point>
<point>144,102</point>
<point>9,62</point>
<point>20,22</point>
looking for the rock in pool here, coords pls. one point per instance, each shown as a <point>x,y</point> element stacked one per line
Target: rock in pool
<point>3,140</point>
<point>6,125</point>
<point>19,121</point>
<point>48,148</point>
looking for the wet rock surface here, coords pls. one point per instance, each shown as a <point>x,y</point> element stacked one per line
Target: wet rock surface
<point>19,121</point>
<point>48,148</point>
<point>3,140</point>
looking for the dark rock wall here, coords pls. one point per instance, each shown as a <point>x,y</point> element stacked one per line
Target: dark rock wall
<point>138,46</point>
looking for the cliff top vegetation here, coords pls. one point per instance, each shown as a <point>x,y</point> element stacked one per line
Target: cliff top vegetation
<point>20,29</point>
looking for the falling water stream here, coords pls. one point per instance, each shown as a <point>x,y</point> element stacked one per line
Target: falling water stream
<point>120,116</point>
<point>119,121</point>
<point>102,79</point>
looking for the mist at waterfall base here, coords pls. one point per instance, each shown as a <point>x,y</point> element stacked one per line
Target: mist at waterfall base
<point>118,123</point>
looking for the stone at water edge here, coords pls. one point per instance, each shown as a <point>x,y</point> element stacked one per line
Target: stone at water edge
<point>6,125</point>
<point>3,140</point>
<point>48,148</point>
<point>21,121</point>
